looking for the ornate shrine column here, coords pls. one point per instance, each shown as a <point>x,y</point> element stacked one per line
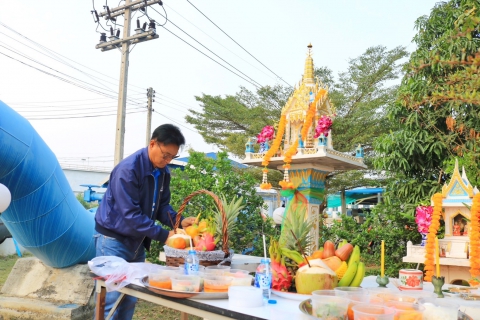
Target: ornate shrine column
<point>310,181</point>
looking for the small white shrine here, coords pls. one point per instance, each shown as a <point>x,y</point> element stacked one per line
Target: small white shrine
<point>454,248</point>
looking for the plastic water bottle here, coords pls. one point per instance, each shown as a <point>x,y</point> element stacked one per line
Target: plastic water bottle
<point>192,263</point>
<point>263,278</point>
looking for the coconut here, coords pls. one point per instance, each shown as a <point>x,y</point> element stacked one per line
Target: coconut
<point>316,277</point>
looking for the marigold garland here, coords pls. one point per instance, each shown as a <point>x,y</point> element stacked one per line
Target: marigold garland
<point>432,233</point>
<point>474,234</point>
<point>276,142</point>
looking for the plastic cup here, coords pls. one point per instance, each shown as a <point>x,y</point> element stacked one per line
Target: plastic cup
<point>218,270</point>
<point>159,280</point>
<point>422,294</point>
<point>329,307</point>
<point>439,309</point>
<point>240,279</point>
<point>216,283</point>
<point>186,283</point>
<point>401,297</point>
<point>406,310</point>
<point>364,311</point>
<point>325,293</point>
<point>355,294</point>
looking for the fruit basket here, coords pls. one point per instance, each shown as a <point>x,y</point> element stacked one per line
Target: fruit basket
<point>176,257</point>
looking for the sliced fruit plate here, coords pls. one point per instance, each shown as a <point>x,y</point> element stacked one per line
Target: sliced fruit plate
<point>184,294</point>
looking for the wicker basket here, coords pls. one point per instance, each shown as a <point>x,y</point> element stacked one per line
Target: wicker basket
<point>175,257</point>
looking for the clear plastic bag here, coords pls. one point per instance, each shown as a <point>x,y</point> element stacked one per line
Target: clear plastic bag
<point>116,271</point>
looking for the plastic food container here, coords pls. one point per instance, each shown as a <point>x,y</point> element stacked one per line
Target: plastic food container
<point>218,270</point>
<point>438,309</point>
<point>186,283</point>
<point>329,307</point>
<point>397,297</point>
<point>159,280</point>
<point>240,277</point>
<point>406,310</point>
<point>250,297</point>
<point>365,311</point>
<point>216,283</point>
<point>325,293</point>
<point>422,294</point>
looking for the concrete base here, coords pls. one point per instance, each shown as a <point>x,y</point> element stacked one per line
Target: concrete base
<point>36,291</point>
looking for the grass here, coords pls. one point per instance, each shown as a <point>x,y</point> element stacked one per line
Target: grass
<point>144,310</point>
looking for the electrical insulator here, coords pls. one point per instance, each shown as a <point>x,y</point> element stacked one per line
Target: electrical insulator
<point>144,26</point>
<point>160,3</point>
<point>103,37</point>
<point>111,31</point>
<point>118,32</point>
<point>138,23</point>
<point>151,25</point>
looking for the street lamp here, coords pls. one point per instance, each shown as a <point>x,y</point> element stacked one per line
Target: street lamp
<point>5,198</point>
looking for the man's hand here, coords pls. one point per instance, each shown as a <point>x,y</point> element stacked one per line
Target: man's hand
<point>188,222</point>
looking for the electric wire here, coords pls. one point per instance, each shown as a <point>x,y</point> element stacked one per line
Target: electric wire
<point>211,58</point>
<point>252,80</point>
<point>74,117</point>
<point>239,44</point>
<point>180,124</point>
<point>218,42</point>
<point>71,82</point>
<point>56,59</point>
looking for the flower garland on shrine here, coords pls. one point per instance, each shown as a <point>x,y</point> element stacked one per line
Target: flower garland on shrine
<point>287,159</point>
<point>432,233</point>
<point>271,152</point>
<point>474,234</point>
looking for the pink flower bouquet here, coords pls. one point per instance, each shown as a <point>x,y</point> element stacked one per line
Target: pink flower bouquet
<point>323,126</point>
<point>266,134</point>
<point>423,218</point>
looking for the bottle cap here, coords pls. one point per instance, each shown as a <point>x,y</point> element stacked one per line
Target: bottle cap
<point>265,260</point>
<point>272,301</point>
<point>192,251</point>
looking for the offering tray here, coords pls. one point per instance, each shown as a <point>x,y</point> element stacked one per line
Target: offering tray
<point>306,308</point>
<point>184,294</point>
<point>291,295</point>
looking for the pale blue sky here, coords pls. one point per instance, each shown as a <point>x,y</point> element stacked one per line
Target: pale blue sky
<point>276,32</point>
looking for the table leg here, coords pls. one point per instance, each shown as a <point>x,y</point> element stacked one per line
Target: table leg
<point>183,316</point>
<point>100,309</point>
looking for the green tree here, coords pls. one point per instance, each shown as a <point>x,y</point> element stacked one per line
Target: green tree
<point>221,178</point>
<point>361,96</point>
<point>229,121</point>
<point>436,116</point>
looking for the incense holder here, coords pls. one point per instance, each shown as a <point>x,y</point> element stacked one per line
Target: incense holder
<point>437,285</point>
<point>382,281</point>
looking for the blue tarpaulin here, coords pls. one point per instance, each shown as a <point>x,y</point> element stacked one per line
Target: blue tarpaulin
<point>351,196</point>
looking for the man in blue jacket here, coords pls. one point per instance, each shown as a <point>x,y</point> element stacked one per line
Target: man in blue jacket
<point>138,194</point>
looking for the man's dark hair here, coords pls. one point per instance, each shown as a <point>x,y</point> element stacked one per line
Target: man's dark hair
<point>168,134</point>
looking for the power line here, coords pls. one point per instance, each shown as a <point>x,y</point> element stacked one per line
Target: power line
<point>239,44</point>
<point>257,83</point>
<point>212,58</point>
<point>79,117</point>
<point>268,75</point>
<point>175,121</point>
<point>56,59</point>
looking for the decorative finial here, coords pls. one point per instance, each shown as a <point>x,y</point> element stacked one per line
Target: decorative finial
<point>310,49</point>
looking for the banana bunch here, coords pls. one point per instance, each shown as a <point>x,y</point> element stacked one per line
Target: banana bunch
<point>355,270</point>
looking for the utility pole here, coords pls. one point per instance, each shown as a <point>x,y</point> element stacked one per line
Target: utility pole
<point>150,95</point>
<point>124,43</point>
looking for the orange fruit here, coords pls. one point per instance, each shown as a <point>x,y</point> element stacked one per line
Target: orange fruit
<point>179,243</point>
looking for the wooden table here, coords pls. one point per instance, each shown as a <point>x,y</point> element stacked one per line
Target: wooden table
<point>285,309</point>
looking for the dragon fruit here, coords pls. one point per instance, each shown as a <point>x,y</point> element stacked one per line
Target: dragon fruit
<point>206,243</point>
<point>281,277</point>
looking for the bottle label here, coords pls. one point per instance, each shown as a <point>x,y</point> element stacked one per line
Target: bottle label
<point>191,268</point>
<point>263,280</point>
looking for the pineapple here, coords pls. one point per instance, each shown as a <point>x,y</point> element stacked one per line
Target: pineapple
<point>232,210</point>
<point>295,221</point>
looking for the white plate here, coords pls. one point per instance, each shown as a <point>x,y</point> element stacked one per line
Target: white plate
<point>292,295</point>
